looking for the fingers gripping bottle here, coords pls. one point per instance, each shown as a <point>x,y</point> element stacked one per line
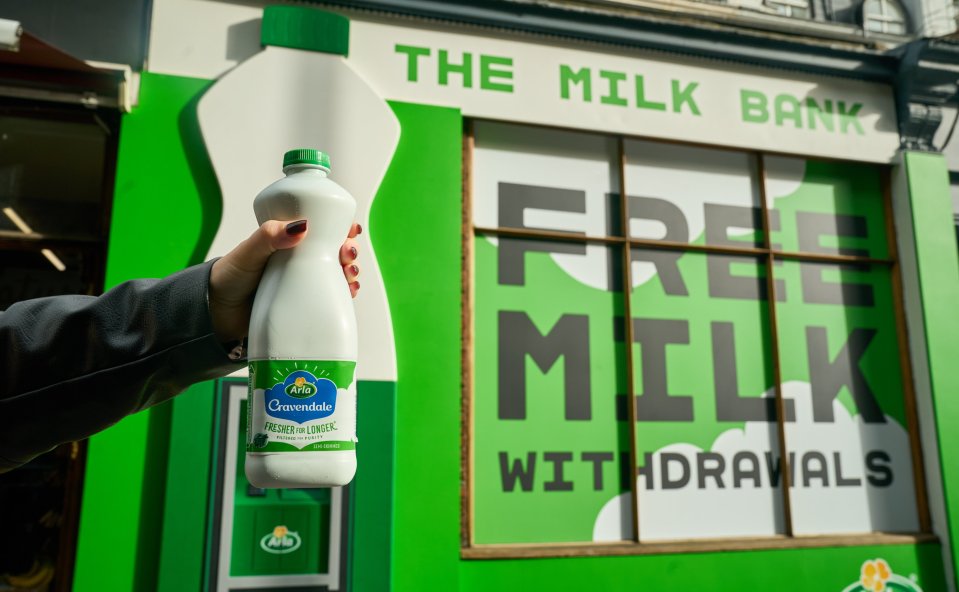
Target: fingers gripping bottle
<point>301,427</point>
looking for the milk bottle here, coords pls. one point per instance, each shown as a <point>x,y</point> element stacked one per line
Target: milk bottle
<point>301,423</point>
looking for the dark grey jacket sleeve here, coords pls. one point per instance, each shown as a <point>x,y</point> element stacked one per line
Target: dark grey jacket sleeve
<point>71,366</point>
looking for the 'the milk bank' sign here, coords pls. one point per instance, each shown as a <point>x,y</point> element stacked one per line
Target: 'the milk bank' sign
<point>607,89</point>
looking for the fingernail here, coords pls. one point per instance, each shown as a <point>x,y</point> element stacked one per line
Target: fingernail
<point>359,228</point>
<point>353,252</point>
<point>355,270</point>
<point>295,228</point>
<point>356,286</point>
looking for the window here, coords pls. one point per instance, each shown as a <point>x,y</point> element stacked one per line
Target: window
<point>884,16</point>
<point>55,186</point>
<point>764,347</point>
<point>791,8</point>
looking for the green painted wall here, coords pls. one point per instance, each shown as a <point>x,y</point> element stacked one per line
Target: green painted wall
<point>815,570</point>
<point>415,224</point>
<point>937,275</point>
<point>166,208</point>
<point>371,502</point>
<point>190,467</point>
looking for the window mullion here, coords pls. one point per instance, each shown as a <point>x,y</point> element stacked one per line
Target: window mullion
<point>774,347</point>
<point>628,340</point>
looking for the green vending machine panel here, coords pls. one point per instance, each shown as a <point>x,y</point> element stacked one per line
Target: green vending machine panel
<point>268,539</point>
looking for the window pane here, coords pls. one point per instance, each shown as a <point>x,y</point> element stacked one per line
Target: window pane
<point>692,195</point>
<point>896,28</point>
<point>51,166</point>
<point>34,274</point>
<point>548,449</point>
<point>537,178</point>
<point>826,207</point>
<point>847,437</point>
<point>706,434</point>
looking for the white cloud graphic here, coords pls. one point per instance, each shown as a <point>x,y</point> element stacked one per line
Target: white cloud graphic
<point>691,512</point>
<point>784,175</point>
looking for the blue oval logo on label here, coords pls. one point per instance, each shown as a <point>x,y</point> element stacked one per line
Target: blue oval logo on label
<point>301,397</point>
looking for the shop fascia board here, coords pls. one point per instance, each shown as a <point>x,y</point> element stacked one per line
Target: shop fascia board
<point>697,39</point>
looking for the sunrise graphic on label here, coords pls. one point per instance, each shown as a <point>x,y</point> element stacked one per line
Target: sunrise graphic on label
<point>301,397</point>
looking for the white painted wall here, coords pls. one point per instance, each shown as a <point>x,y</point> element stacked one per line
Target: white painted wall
<point>203,38</point>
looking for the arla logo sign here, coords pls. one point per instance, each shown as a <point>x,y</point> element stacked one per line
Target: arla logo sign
<point>300,389</point>
<point>281,541</point>
<point>875,575</point>
<point>301,397</point>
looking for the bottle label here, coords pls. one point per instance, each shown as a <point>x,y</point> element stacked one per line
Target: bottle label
<point>301,406</point>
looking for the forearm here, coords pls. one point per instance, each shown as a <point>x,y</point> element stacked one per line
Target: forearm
<point>74,365</point>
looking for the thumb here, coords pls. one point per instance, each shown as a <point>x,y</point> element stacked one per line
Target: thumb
<point>252,254</point>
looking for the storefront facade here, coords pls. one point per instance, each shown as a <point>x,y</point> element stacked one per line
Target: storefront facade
<point>552,223</point>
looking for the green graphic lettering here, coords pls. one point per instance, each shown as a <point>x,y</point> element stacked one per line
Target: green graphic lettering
<point>641,100</point>
<point>464,69</point>
<point>850,117</point>
<point>824,114</point>
<point>488,73</point>
<point>754,106</point>
<point>413,54</point>
<point>582,76</point>
<point>788,108</point>
<point>684,95</point>
<point>614,78</point>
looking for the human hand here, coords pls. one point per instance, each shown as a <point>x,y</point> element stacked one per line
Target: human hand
<point>235,276</point>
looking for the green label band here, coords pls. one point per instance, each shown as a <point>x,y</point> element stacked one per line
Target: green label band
<point>313,447</point>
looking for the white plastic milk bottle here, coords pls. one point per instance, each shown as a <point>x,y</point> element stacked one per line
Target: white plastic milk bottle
<point>301,423</point>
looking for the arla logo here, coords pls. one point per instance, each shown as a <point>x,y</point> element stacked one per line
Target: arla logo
<point>281,541</point>
<point>875,575</point>
<point>301,389</point>
<point>301,397</point>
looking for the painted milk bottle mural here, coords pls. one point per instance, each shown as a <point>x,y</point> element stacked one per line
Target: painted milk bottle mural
<point>301,91</point>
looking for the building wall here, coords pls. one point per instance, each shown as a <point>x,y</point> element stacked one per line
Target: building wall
<point>192,44</point>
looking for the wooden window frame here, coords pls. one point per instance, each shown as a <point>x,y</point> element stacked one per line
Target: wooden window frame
<point>765,256</point>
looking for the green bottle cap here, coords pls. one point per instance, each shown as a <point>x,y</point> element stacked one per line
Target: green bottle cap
<point>301,27</point>
<point>306,156</point>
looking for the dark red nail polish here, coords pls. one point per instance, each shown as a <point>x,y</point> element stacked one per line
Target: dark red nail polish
<point>295,228</point>
<point>355,270</point>
<point>359,229</point>
<point>353,252</point>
